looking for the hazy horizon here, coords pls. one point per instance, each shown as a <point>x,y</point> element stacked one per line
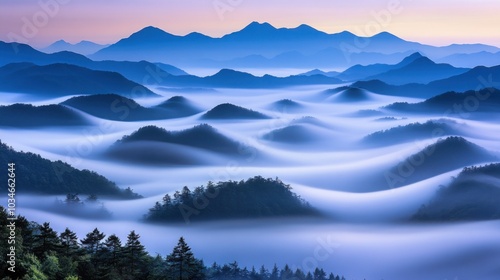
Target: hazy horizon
<point>445,22</point>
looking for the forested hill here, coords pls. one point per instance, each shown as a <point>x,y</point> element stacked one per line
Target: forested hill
<point>42,176</point>
<point>472,196</point>
<point>256,197</point>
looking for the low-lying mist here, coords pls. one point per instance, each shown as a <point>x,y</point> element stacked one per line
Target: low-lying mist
<point>365,231</point>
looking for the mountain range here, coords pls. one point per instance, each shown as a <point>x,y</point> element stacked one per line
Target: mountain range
<point>263,45</point>
<point>142,72</point>
<point>476,78</point>
<point>228,78</point>
<point>453,103</point>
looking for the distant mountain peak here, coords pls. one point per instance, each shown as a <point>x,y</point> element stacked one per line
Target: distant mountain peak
<point>386,36</point>
<point>305,26</point>
<point>256,24</point>
<point>150,32</point>
<point>231,73</point>
<point>196,35</point>
<point>255,28</point>
<point>150,28</point>
<point>60,42</point>
<point>423,60</point>
<point>411,58</point>
<point>415,55</point>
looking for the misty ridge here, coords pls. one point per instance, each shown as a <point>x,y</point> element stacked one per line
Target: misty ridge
<point>389,148</point>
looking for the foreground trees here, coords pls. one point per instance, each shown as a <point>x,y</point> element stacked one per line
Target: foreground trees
<point>43,254</point>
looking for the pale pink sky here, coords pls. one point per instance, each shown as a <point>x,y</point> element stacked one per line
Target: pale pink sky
<point>437,22</point>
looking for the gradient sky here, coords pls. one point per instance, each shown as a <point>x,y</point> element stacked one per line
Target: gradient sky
<point>437,22</point>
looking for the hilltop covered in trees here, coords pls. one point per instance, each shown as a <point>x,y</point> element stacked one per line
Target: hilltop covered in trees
<point>256,197</point>
<point>42,176</point>
<point>472,196</point>
<point>44,254</point>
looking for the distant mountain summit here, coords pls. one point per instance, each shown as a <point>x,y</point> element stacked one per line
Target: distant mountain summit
<point>359,72</point>
<point>417,69</point>
<point>414,68</point>
<point>83,47</point>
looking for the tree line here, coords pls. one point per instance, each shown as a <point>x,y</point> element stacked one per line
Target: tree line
<point>44,254</point>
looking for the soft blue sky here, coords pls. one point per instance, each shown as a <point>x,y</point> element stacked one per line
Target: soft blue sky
<point>435,22</point>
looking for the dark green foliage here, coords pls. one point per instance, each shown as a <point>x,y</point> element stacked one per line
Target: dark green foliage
<point>42,176</point>
<point>473,195</point>
<point>46,241</point>
<point>63,257</point>
<point>254,198</point>
<point>181,263</point>
<point>135,256</point>
<point>112,256</point>
<point>93,241</point>
<point>69,243</point>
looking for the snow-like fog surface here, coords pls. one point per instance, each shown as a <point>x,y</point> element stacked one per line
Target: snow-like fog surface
<point>363,234</point>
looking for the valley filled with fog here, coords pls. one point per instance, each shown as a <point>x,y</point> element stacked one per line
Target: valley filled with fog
<point>314,138</point>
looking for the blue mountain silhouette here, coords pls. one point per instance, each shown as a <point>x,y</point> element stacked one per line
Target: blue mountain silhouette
<point>65,79</point>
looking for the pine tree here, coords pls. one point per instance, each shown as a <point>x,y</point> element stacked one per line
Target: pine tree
<point>112,255</point>
<point>93,244</point>
<point>156,268</point>
<point>93,241</point>
<point>319,274</point>
<point>135,256</point>
<point>264,273</point>
<point>69,242</point>
<point>274,273</point>
<point>254,275</point>
<point>299,274</point>
<point>286,273</point>
<point>182,265</point>
<point>46,241</point>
